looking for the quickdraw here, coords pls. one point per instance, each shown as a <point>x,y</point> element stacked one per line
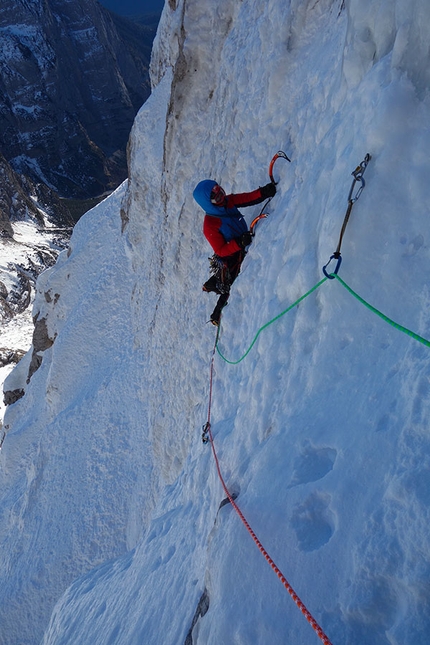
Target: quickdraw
<point>352,198</point>
<point>205,432</point>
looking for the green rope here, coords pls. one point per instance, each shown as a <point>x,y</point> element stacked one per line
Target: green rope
<point>406,331</point>
<point>269,323</point>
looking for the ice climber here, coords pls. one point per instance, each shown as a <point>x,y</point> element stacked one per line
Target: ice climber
<point>227,232</point>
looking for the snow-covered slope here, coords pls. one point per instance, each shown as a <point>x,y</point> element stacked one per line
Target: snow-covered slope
<point>27,247</point>
<point>110,506</point>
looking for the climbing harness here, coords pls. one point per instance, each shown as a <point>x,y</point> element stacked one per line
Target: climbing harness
<point>352,198</point>
<point>225,270</point>
<point>262,215</point>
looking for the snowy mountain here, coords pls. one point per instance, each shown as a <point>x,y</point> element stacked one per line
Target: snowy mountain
<point>113,526</point>
<point>30,241</point>
<point>72,80</point>
<point>73,77</point>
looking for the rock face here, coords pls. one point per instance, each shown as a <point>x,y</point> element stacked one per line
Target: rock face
<point>70,86</point>
<point>14,202</point>
<point>20,199</point>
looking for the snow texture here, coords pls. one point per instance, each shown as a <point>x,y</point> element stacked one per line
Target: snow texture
<point>111,530</point>
<point>30,248</point>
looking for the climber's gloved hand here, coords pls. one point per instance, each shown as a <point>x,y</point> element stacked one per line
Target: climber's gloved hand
<point>244,240</point>
<point>269,190</point>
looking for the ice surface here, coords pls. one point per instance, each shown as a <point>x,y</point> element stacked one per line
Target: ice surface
<point>110,509</point>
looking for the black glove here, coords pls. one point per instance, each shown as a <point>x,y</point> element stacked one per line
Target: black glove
<point>244,240</point>
<point>269,190</point>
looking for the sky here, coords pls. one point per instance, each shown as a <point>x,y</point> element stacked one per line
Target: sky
<point>133,7</point>
<point>113,525</point>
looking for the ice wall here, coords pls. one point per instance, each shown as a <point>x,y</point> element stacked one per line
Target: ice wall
<point>321,431</point>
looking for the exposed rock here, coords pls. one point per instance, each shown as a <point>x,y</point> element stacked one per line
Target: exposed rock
<point>50,298</point>
<point>41,339</point>
<point>201,610</point>
<point>124,219</point>
<point>14,202</point>
<point>8,356</point>
<point>21,199</point>
<point>41,342</point>
<point>12,396</point>
<point>35,363</point>
<point>6,313</point>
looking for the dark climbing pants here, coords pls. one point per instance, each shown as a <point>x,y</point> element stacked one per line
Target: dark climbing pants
<point>226,273</point>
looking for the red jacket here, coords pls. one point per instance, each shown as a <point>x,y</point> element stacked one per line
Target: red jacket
<point>212,225</point>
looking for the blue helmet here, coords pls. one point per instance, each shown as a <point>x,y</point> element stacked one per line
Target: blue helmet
<point>233,222</point>
<point>202,195</point>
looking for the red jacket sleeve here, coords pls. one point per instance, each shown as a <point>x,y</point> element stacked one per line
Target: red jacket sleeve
<point>216,239</point>
<point>245,199</point>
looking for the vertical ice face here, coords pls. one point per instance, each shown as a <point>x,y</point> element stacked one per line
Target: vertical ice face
<point>321,431</point>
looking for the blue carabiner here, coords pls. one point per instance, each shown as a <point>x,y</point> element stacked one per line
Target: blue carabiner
<point>330,276</point>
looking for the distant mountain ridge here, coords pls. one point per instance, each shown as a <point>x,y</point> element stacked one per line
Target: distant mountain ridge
<point>21,199</point>
<point>72,77</point>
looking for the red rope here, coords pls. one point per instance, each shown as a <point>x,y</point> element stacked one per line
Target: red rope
<point>208,431</point>
<point>207,425</point>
